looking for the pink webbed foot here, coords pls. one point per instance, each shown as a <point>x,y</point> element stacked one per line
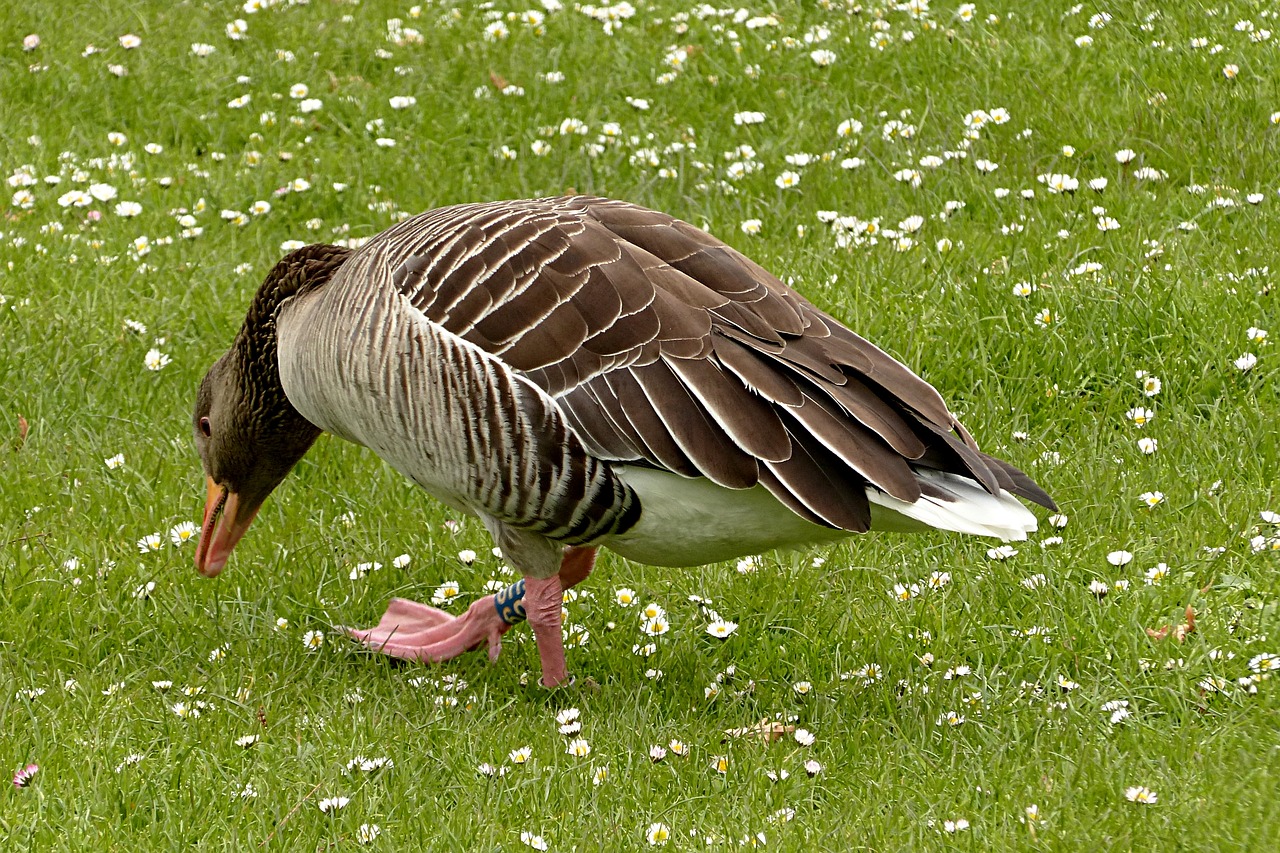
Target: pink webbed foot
<point>417,632</point>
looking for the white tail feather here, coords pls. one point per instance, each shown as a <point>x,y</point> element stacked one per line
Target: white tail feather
<point>972,509</point>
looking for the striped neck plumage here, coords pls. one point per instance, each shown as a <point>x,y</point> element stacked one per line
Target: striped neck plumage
<point>255,349</point>
<point>297,273</point>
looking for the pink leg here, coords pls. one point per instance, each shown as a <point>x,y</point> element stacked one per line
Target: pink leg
<point>543,598</point>
<point>413,631</point>
<point>543,603</point>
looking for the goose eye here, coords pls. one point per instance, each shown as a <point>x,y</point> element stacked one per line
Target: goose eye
<point>205,428</point>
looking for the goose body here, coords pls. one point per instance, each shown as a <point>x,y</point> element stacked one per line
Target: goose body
<point>584,372</point>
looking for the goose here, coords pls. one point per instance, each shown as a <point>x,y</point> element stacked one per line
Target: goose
<point>581,372</point>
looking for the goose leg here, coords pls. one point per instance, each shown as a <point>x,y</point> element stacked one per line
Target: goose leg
<point>543,603</point>
<point>412,631</point>
<point>543,600</point>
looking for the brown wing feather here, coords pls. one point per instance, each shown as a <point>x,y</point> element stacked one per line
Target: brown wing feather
<point>815,478</point>
<point>752,423</point>
<point>856,447</point>
<point>756,373</point>
<point>1020,484</point>
<point>694,430</point>
<point>654,442</point>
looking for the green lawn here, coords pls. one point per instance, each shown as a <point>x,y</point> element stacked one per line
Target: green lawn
<point>149,189</point>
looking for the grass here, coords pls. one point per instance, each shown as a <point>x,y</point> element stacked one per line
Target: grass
<point>1181,280</point>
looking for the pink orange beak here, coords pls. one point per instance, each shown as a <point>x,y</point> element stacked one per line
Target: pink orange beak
<point>226,518</point>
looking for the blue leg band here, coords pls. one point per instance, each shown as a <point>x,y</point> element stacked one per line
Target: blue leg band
<point>510,603</point>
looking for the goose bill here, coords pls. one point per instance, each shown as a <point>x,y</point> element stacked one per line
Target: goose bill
<point>226,518</point>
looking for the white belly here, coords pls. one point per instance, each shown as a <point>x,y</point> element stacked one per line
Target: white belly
<point>694,522</point>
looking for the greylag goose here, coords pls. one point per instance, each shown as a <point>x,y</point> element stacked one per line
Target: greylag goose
<point>580,372</point>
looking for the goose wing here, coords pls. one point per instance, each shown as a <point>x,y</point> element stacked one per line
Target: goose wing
<point>663,346</point>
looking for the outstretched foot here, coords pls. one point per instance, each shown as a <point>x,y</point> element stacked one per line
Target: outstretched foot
<point>418,632</point>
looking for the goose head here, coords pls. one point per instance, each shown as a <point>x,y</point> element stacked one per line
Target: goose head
<point>249,439</point>
<point>248,434</point>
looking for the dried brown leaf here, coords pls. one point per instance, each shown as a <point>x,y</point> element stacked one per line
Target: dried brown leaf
<point>767,730</point>
<point>1180,632</point>
<point>1187,627</point>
